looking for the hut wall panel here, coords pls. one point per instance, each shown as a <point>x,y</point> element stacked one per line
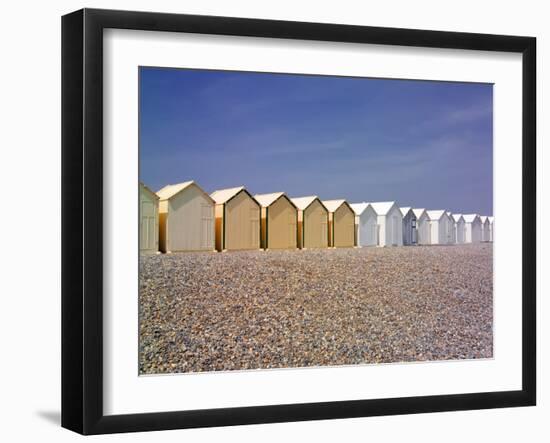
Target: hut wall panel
<point>344,227</point>
<point>368,228</point>
<point>148,223</point>
<point>281,225</point>
<point>242,223</point>
<point>316,226</point>
<point>190,225</point>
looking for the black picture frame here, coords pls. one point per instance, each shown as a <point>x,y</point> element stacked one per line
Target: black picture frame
<point>82,218</point>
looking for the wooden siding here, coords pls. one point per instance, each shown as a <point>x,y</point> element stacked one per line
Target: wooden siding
<point>242,223</point>
<point>189,223</point>
<point>148,221</point>
<point>279,230</point>
<point>344,227</point>
<point>315,228</point>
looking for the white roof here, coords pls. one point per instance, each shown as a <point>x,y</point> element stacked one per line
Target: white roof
<point>405,209</point>
<point>170,190</point>
<point>483,218</point>
<point>469,218</point>
<point>267,199</point>
<point>222,195</point>
<point>418,212</point>
<point>491,219</point>
<point>153,194</point>
<point>436,214</point>
<point>456,217</point>
<point>382,208</point>
<point>303,202</point>
<point>359,208</point>
<point>333,205</point>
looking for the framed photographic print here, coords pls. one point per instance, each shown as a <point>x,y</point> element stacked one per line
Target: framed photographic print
<point>269,221</point>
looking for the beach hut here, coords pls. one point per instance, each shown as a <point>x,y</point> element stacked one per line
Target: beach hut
<point>279,220</point>
<point>366,224</point>
<point>460,228</point>
<point>485,228</point>
<point>423,230</point>
<point>390,223</point>
<point>441,226</point>
<point>409,226</point>
<point>148,220</point>
<point>186,218</point>
<point>472,224</point>
<point>452,234</point>
<point>341,224</point>
<point>237,219</point>
<point>491,226</point>
<point>312,222</point>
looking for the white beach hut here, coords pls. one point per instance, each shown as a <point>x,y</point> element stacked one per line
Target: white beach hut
<point>441,226</point>
<point>366,224</point>
<point>491,227</point>
<point>423,231</point>
<point>485,228</point>
<point>186,218</point>
<point>459,228</point>
<point>409,226</point>
<point>472,223</point>
<point>390,223</point>
<point>452,227</point>
<point>148,220</point>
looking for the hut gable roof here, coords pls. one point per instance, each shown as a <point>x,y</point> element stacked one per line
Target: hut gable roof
<point>491,219</point>
<point>303,202</point>
<point>169,191</point>
<point>382,208</point>
<point>266,200</point>
<point>469,218</point>
<point>333,205</point>
<point>419,212</point>
<point>359,208</point>
<point>405,209</point>
<point>484,219</point>
<point>223,195</point>
<point>436,214</point>
<point>457,217</point>
<point>148,190</point>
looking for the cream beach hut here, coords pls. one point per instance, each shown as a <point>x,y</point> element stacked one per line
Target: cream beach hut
<point>366,224</point>
<point>237,219</point>
<point>485,228</point>
<point>279,221</point>
<point>409,226</point>
<point>186,218</point>
<point>423,230</point>
<point>390,223</point>
<point>312,222</point>
<point>472,223</point>
<point>460,228</point>
<point>148,220</point>
<point>341,224</point>
<point>491,226</point>
<point>441,226</point>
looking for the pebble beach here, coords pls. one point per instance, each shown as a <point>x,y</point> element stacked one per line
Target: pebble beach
<point>283,309</point>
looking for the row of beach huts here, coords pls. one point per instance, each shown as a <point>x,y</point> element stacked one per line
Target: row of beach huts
<point>183,217</point>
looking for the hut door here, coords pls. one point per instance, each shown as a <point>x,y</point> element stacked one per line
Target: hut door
<point>147,225</point>
<point>207,227</point>
<point>413,231</point>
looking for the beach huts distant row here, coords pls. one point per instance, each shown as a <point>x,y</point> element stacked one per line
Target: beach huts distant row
<point>183,217</point>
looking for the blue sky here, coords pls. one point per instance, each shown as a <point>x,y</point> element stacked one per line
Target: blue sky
<point>421,143</point>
